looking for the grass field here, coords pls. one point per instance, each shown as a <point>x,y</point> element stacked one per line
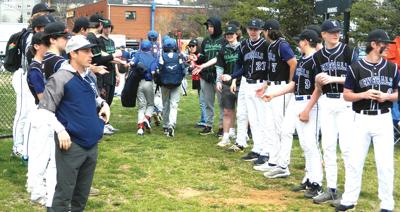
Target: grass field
<point>184,173</point>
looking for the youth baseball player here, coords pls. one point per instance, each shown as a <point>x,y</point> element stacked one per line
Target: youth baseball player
<point>371,85</point>
<point>252,64</point>
<point>145,93</point>
<point>281,66</point>
<point>302,85</point>
<point>331,63</point>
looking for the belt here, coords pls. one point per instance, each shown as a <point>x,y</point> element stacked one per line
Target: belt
<point>373,112</point>
<point>333,95</point>
<point>276,82</point>
<point>302,97</point>
<point>254,81</point>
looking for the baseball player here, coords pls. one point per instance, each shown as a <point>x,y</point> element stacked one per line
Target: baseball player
<point>302,85</point>
<point>281,66</point>
<point>227,58</point>
<point>156,52</point>
<point>24,100</point>
<point>172,70</point>
<point>331,63</point>
<point>209,50</point>
<point>252,65</point>
<point>371,85</point>
<point>145,93</point>
<point>40,137</point>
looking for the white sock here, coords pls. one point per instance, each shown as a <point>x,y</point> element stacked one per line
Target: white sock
<point>232,131</point>
<point>225,136</point>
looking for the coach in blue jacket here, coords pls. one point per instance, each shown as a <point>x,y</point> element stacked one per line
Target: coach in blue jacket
<point>70,104</point>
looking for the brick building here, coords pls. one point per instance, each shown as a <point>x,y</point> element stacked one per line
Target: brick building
<point>134,20</point>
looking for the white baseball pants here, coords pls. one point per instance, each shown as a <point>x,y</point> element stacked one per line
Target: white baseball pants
<point>242,120</point>
<point>336,121</point>
<point>170,97</point>
<point>145,99</point>
<point>379,128</point>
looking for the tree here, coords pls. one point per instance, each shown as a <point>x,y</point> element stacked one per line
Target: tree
<point>368,15</point>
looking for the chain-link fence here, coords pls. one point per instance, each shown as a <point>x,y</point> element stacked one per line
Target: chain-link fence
<point>7,102</point>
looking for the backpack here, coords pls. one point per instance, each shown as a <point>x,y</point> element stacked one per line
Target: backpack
<point>14,50</point>
<point>172,71</point>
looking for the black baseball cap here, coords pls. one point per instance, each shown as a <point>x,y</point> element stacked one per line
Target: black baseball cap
<point>94,20</point>
<point>315,28</point>
<point>41,21</point>
<point>271,24</point>
<point>106,23</point>
<point>255,24</point>
<point>57,29</point>
<point>37,38</point>
<point>231,29</point>
<point>193,42</point>
<point>42,7</point>
<point>81,22</point>
<point>379,35</point>
<point>331,25</point>
<point>309,35</point>
<point>236,23</point>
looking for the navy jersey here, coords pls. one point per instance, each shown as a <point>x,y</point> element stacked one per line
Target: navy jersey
<point>304,76</point>
<point>35,78</point>
<point>51,63</point>
<point>363,76</point>
<point>334,62</point>
<point>253,59</point>
<point>279,52</point>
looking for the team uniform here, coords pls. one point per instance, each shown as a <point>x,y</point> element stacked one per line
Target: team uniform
<point>24,102</point>
<point>252,64</point>
<point>336,114</point>
<point>279,52</point>
<point>372,121</point>
<point>51,63</point>
<point>42,172</point>
<point>304,79</point>
<point>145,93</point>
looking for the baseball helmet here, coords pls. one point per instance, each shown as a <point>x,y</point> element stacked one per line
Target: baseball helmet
<point>145,45</point>
<point>170,43</point>
<point>152,35</point>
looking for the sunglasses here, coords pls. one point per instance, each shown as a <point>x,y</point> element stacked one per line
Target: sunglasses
<point>191,46</point>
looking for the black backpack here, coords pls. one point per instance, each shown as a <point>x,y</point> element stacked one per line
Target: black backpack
<point>14,50</point>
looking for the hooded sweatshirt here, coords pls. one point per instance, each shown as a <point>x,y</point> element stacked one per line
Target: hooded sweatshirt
<point>210,48</point>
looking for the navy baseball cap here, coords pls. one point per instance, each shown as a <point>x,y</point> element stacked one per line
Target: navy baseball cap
<point>42,7</point>
<point>56,28</point>
<point>231,29</point>
<point>309,35</point>
<point>271,24</point>
<point>331,25</point>
<point>40,21</point>
<point>81,22</point>
<point>379,35</point>
<point>255,24</point>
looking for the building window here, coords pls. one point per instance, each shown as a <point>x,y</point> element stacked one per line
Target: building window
<point>130,15</point>
<point>28,13</point>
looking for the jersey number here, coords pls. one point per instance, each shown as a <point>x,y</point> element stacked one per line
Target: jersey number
<point>260,65</point>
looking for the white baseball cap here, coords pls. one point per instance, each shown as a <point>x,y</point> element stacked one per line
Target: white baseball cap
<point>78,42</point>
